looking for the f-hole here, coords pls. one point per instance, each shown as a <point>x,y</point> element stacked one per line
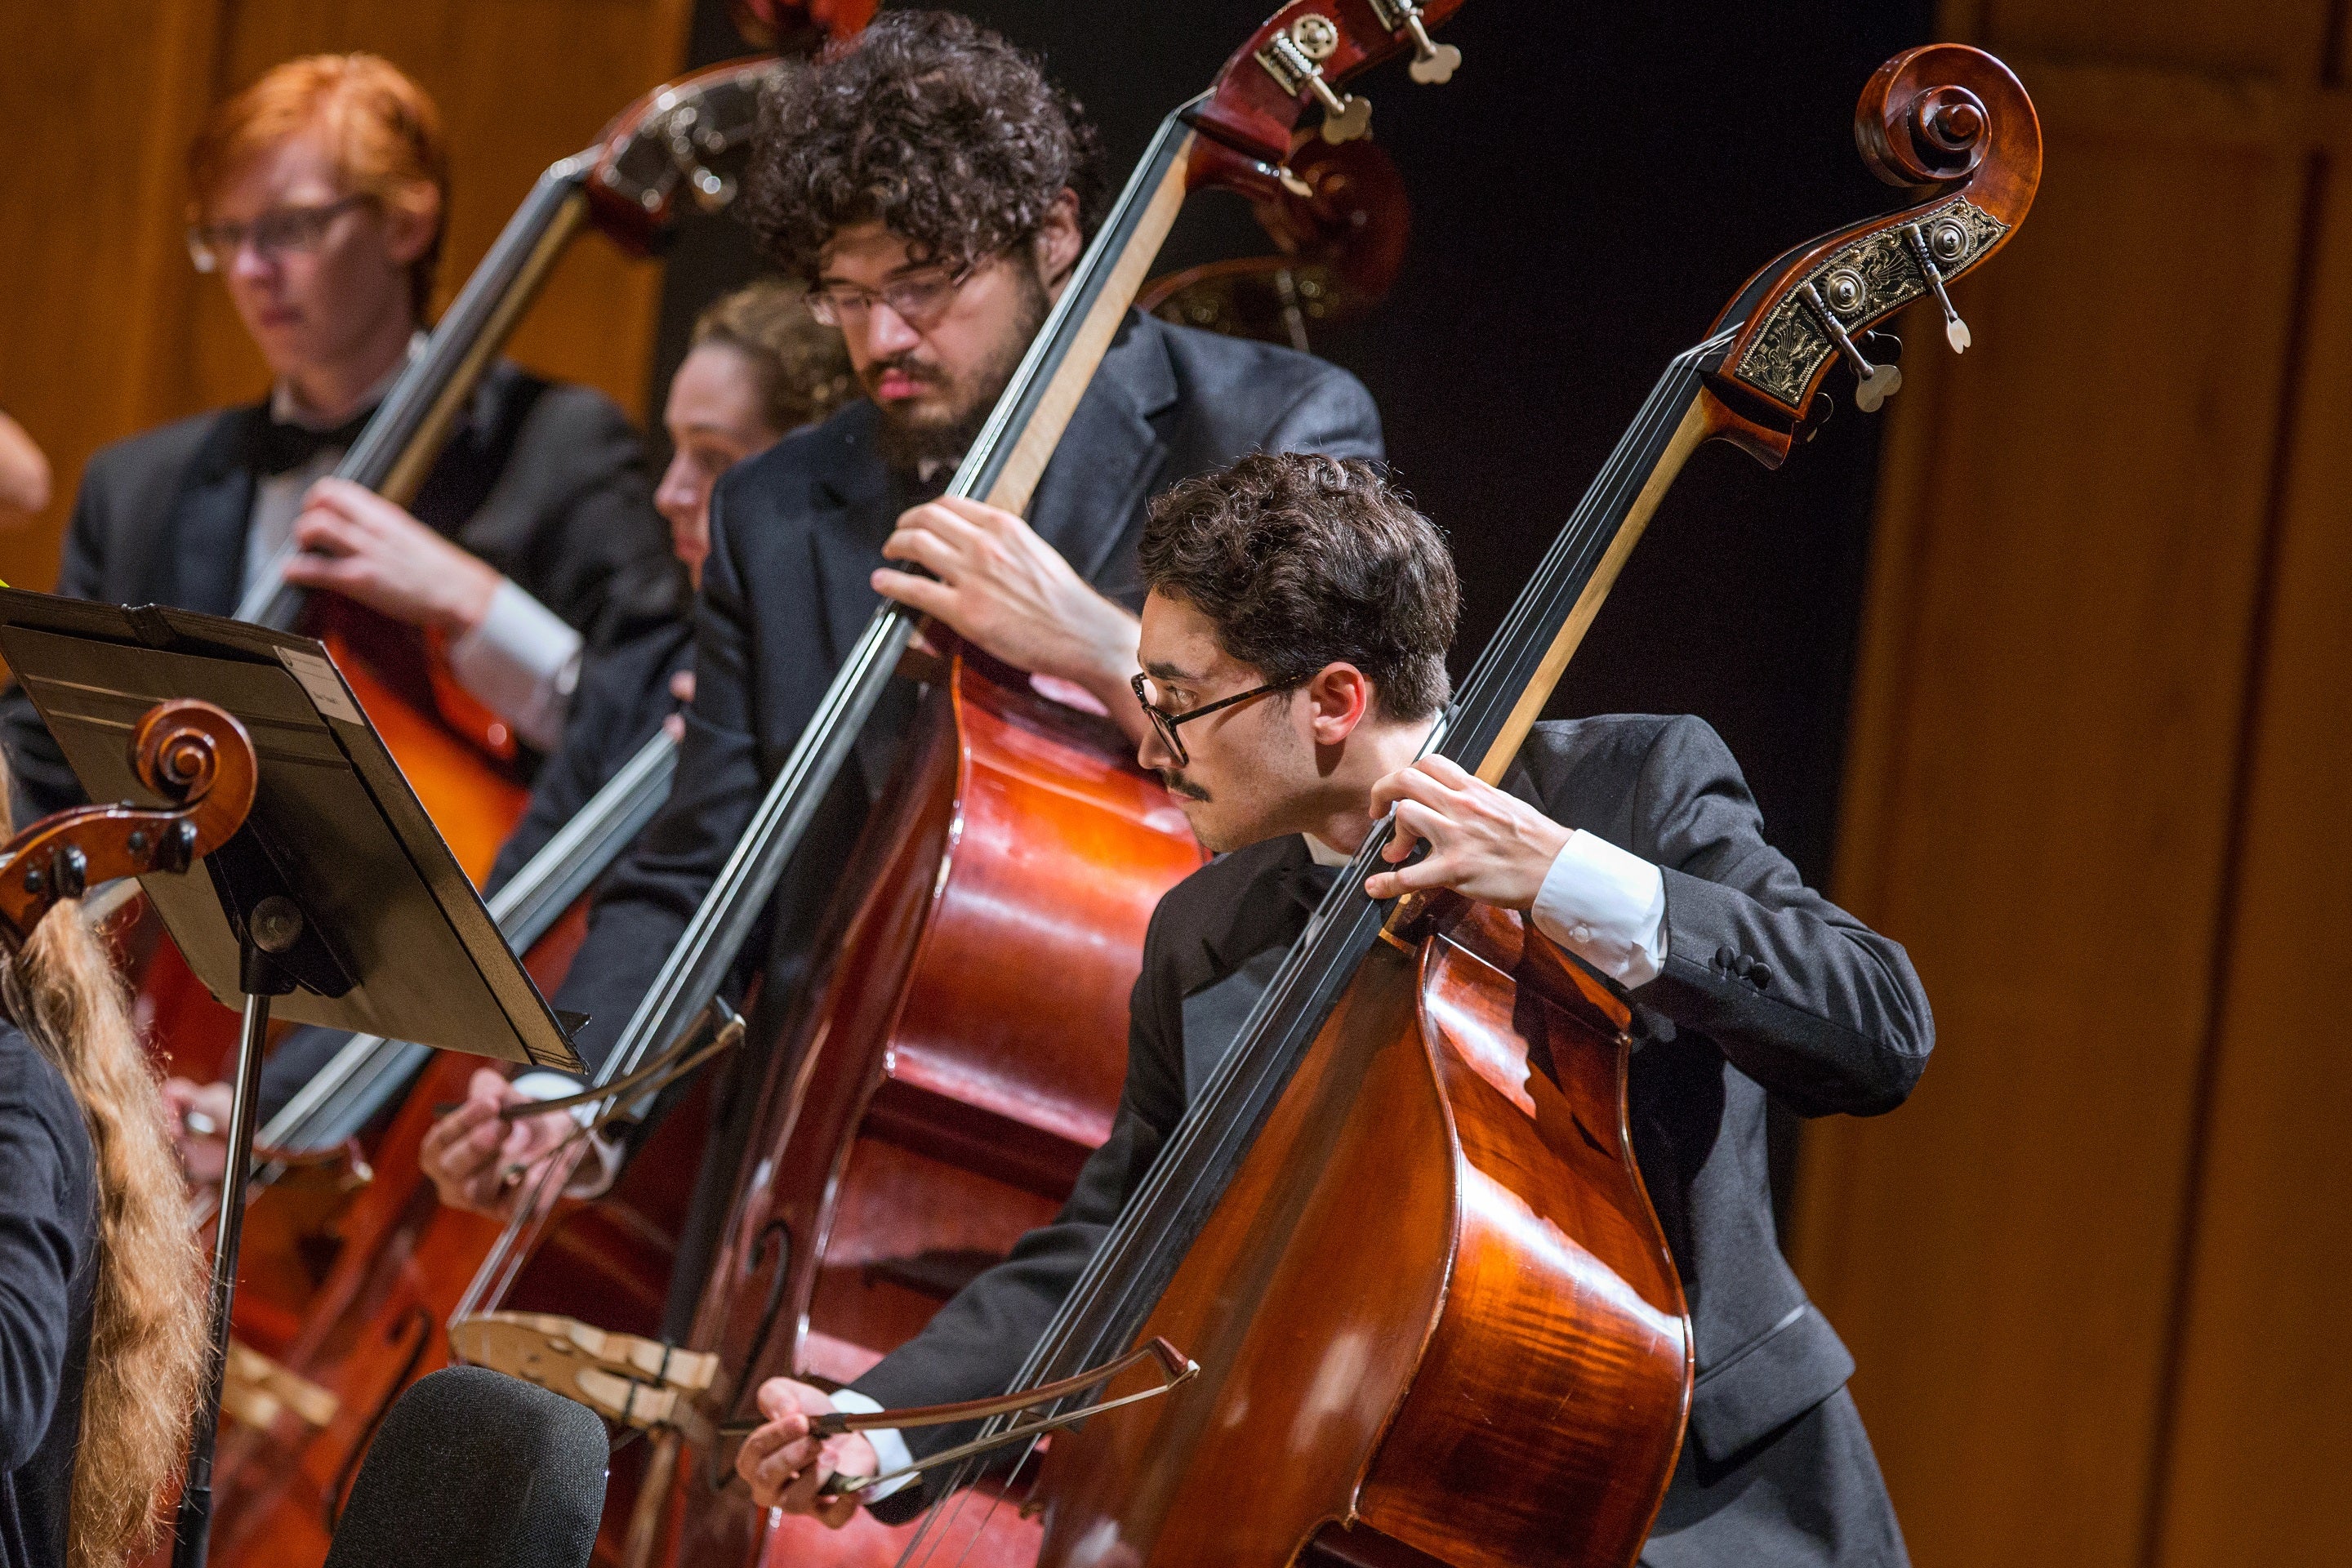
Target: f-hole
<point>776,1239</point>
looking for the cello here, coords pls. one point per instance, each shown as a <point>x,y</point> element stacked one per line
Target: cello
<point>344,1250</point>
<point>193,755</point>
<point>1423,1311</point>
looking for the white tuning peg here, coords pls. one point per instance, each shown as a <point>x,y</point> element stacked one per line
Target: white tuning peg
<point>1955,330</point>
<point>1344,119</point>
<point>1875,383</point>
<point>1431,62</point>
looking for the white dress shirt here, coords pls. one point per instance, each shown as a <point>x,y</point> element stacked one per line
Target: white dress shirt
<point>1606,905</point>
<point>522,661</point>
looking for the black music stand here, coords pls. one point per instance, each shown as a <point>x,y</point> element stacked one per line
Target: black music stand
<point>337,896</point>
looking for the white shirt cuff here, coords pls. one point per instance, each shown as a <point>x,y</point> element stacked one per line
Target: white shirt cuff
<point>590,1180</point>
<point>522,661</point>
<point>889,1448</point>
<point>1607,906</point>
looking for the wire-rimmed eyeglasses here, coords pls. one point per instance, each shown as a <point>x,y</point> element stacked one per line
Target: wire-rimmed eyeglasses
<point>919,301</point>
<point>213,246</point>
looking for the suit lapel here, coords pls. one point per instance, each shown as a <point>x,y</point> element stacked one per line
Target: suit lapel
<point>1104,468</point>
<point>206,524</point>
<point>849,517</point>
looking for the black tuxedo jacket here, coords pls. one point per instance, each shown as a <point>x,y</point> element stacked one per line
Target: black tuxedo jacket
<point>796,533</point>
<point>546,482</point>
<point>1769,989</point>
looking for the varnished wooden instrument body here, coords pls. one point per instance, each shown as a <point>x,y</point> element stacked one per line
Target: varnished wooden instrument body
<point>962,1056</point>
<point>1434,1311</point>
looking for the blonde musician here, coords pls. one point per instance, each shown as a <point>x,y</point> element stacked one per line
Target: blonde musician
<point>101,1289</point>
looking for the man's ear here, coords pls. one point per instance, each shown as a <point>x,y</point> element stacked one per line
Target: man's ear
<point>410,224</point>
<point>1059,241</point>
<point>1339,698</point>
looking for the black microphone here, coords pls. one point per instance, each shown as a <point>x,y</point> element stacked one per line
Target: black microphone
<point>476,1469</point>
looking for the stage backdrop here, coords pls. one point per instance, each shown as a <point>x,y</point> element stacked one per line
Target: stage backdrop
<point>106,329</point>
<point>2093,1271</point>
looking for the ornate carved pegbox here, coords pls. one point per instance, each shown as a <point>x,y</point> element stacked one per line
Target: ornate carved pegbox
<point>1864,282</point>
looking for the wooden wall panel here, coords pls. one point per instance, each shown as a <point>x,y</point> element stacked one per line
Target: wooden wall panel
<point>2058,637</point>
<point>95,288</point>
<point>102,99</point>
<point>2098,735</point>
<point>2260,1439</point>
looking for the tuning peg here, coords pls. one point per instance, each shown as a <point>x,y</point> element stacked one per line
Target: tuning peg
<point>1293,57</point>
<point>1344,118</point>
<point>1955,330</point>
<point>1876,383</point>
<point>1431,62</point>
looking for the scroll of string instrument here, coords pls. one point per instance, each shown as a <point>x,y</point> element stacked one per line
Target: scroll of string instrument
<point>192,755</point>
<point>1425,1311</point>
<point>1338,251</point>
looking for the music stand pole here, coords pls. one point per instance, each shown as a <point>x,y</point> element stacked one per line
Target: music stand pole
<point>275,925</point>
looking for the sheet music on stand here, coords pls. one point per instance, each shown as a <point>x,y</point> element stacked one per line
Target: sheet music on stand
<point>337,902</point>
<point>334,815</point>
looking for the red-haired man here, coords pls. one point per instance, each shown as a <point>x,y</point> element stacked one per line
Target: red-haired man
<point>319,197</point>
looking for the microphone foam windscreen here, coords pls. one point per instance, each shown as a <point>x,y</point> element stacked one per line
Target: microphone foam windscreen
<point>476,1469</point>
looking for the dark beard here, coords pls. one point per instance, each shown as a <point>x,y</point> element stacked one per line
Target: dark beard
<point>906,446</point>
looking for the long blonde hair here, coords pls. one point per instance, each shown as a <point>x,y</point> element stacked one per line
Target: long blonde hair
<point>146,1336</point>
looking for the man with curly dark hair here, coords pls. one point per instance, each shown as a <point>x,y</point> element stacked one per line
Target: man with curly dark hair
<point>936,192</point>
<point>1294,644</point>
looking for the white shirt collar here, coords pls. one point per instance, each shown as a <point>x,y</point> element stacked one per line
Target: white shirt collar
<point>1322,853</point>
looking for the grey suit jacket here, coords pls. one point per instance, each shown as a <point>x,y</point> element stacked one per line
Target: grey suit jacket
<point>1768,989</point>
<point>546,482</point>
<point>796,534</point>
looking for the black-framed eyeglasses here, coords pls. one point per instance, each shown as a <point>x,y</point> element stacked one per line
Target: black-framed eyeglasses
<point>213,246</point>
<point>1163,722</point>
<point>919,301</point>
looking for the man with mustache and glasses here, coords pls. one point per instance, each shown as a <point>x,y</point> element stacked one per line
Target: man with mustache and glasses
<point>935,191</point>
<point>1294,662</point>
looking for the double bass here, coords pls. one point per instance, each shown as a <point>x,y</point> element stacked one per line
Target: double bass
<point>1420,1308</point>
<point>932,1111</point>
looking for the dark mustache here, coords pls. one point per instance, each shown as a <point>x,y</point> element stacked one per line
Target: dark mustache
<point>1177,784</point>
<point>914,369</point>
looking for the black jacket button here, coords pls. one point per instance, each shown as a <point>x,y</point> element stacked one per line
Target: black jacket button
<point>1761,977</point>
<point>1723,958</point>
<point>1741,965</point>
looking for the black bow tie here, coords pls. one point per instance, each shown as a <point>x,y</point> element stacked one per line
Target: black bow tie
<point>280,446</point>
